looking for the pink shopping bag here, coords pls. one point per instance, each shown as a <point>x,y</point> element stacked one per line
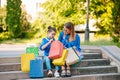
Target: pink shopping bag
<point>56,50</point>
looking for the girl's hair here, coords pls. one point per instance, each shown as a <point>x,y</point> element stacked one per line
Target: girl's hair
<point>50,29</point>
<point>70,26</point>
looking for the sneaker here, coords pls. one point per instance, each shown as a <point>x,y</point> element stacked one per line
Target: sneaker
<point>56,74</point>
<point>50,74</point>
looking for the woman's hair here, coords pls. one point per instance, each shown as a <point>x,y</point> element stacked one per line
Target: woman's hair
<point>70,26</point>
<point>50,29</point>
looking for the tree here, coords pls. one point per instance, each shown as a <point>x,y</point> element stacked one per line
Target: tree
<point>58,12</point>
<point>13,17</point>
<point>115,28</point>
<point>2,19</point>
<point>107,14</point>
<point>102,12</point>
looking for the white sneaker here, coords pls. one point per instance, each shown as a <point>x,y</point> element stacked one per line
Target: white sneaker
<point>50,74</point>
<point>56,74</point>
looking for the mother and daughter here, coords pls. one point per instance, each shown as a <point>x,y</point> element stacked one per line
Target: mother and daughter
<point>69,39</point>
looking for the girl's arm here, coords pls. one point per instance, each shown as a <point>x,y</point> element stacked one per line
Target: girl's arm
<point>45,45</point>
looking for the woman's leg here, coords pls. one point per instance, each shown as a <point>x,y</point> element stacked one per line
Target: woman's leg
<point>63,73</point>
<point>68,72</point>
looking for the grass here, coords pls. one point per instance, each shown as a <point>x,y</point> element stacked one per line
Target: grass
<point>100,43</point>
<point>97,40</point>
<point>100,40</point>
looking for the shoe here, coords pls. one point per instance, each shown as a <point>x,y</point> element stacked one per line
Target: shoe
<point>56,74</point>
<point>68,73</point>
<point>50,74</point>
<point>63,73</point>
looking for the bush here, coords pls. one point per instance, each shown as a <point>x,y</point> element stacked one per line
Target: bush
<point>5,36</point>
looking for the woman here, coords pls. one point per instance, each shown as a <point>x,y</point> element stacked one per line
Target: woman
<point>69,39</point>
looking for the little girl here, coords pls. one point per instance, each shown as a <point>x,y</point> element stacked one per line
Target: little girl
<point>45,46</point>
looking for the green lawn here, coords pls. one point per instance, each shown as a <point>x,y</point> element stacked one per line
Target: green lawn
<point>98,40</point>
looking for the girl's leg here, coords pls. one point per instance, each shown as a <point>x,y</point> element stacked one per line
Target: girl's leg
<point>56,74</point>
<point>47,60</point>
<point>48,65</point>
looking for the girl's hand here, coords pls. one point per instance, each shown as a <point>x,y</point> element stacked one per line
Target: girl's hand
<point>51,40</point>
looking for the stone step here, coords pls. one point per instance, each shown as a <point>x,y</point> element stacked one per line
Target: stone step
<point>93,70</point>
<point>92,55</point>
<point>75,71</point>
<point>92,62</point>
<point>83,63</point>
<point>10,60</point>
<point>108,76</point>
<point>10,67</point>
<point>17,59</point>
<point>18,75</point>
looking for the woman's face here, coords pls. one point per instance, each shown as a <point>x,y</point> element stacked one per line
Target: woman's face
<point>66,30</point>
<point>51,34</point>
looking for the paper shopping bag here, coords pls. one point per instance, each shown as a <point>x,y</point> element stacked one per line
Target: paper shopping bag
<point>25,61</point>
<point>32,49</point>
<point>56,50</point>
<point>61,61</point>
<point>72,57</point>
<point>36,68</point>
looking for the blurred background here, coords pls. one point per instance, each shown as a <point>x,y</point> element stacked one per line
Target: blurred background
<point>26,21</point>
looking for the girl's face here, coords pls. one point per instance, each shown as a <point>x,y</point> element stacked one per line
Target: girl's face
<point>66,30</point>
<point>51,34</point>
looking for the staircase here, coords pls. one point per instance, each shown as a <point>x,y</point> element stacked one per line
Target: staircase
<point>92,67</point>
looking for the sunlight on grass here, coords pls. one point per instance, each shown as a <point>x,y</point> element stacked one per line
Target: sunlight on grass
<point>100,40</point>
<point>97,40</point>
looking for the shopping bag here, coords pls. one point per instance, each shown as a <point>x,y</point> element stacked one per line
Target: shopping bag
<point>80,57</point>
<point>56,50</point>
<point>25,61</point>
<point>32,49</point>
<point>72,57</point>
<point>79,54</point>
<point>61,61</point>
<point>36,68</point>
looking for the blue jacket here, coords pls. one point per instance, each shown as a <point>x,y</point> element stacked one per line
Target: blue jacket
<point>47,49</point>
<point>68,44</point>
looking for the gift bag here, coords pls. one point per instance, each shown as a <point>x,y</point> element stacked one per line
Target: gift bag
<point>32,49</point>
<point>72,57</point>
<point>80,57</point>
<point>25,61</point>
<point>36,68</point>
<point>79,54</point>
<point>61,61</point>
<point>56,50</point>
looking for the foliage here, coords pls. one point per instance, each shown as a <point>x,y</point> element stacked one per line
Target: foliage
<point>58,12</point>
<point>13,17</point>
<point>25,25</point>
<point>101,11</point>
<point>115,28</point>
<point>4,36</point>
<point>2,19</point>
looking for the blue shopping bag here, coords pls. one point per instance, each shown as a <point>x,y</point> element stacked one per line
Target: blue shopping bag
<point>36,68</point>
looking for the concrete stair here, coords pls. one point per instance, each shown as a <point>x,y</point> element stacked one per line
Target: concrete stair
<point>92,67</point>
